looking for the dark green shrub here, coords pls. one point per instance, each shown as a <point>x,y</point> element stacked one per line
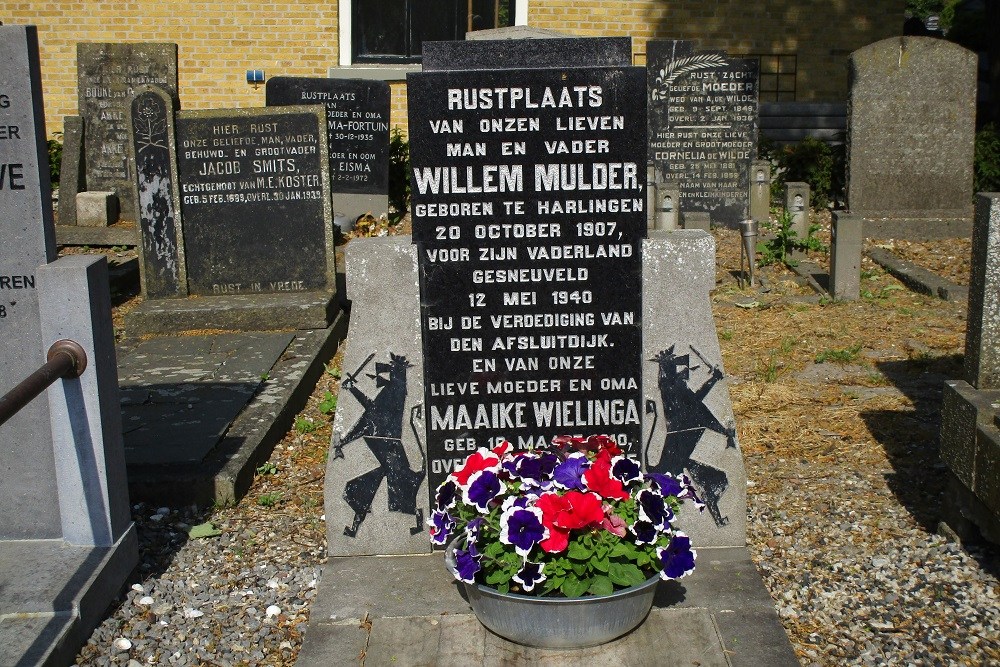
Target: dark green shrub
<point>811,161</point>
<point>987,160</point>
<point>399,176</point>
<point>55,156</point>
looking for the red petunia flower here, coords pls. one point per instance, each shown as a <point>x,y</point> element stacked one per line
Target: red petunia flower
<point>482,459</point>
<point>599,480</point>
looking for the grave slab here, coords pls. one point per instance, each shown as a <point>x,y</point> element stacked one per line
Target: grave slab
<point>720,615</point>
<point>194,386</point>
<point>518,52</point>
<point>210,419</point>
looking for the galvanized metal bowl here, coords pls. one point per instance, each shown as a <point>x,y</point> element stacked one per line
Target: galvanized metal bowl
<point>547,622</point>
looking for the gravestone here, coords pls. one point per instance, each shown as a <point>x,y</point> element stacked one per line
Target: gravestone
<point>970,420</point>
<point>253,245</point>
<point>66,539</point>
<point>911,129</point>
<point>703,119</point>
<point>28,242</point>
<point>537,289</point>
<point>107,75</point>
<point>161,241</point>
<point>529,247</point>
<point>255,200</point>
<point>357,129</point>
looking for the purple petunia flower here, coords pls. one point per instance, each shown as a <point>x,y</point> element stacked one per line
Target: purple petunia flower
<point>645,532</point>
<point>652,508</point>
<point>484,486</point>
<point>473,529</point>
<point>522,528</point>
<point>446,495</point>
<point>467,564</point>
<point>441,524</point>
<point>569,473</point>
<point>529,576</point>
<point>677,558</point>
<point>665,483</point>
<point>625,470</point>
<point>517,501</point>
<point>532,467</point>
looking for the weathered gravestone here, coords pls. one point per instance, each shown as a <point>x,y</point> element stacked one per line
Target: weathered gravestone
<point>970,420</point>
<point>911,129</point>
<point>161,241</point>
<point>71,173</point>
<point>357,131</point>
<point>537,293</point>
<point>255,212</point>
<point>66,539</point>
<point>107,75</point>
<point>703,119</point>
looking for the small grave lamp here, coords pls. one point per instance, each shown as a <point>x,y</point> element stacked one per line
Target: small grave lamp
<point>255,77</point>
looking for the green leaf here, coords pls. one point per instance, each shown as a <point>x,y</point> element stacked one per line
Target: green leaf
<point>625,574</point>
<point>600,564</point>
<point>203,530</point>
<point>577,551</point>
<point>601,585</point>
<point>573,587</point>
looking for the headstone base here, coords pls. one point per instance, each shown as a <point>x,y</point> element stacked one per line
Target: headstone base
<point>696,220</point>
<point>53,594</point>
<point>917,229</point>
<point>235,312</point>
<point>720,615</point>
<point>124,233</point>
<point>970,447</point>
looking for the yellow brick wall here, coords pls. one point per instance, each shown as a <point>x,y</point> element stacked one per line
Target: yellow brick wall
<point>218,41</point>
<point>821,32</point>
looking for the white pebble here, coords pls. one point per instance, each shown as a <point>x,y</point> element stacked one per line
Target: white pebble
<point>138,588</point>
<point>273,610</point>
<point>145,601</point>
<point>193,613</point>
<point>122,644</point>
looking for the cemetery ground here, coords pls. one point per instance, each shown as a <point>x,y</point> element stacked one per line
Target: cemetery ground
<point>837,408</point>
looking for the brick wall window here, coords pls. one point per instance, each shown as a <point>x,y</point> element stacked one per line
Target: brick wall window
<point>392,31</point>
<point>778,72</point>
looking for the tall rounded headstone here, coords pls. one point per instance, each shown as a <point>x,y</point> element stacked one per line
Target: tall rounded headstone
<point>911,129</point>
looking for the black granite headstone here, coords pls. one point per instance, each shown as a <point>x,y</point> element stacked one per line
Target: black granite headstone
<point>528,213</point>
<point>161,247</point>
<point>534,53</point>
<point>107,75</point>
<point>357,127</point>
<point>703,122</point>
<point>255,200</point>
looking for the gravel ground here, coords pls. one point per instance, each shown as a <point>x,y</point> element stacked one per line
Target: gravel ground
<point>837,407</point>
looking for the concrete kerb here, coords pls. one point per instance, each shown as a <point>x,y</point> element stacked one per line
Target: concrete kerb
<point>227,472</point>
<point>918,279</point>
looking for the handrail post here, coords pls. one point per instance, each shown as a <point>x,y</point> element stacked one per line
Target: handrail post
<point>65,359</point>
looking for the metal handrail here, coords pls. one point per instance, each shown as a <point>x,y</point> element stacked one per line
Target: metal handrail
<point>65,359</point>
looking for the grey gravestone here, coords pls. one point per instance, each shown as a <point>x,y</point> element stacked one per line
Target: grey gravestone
<point>982,335</point>
<point>797,207</point>
<point>911,128</point>
<point>517,53</point>
<point>28,242</point>
<point>760,191</point>
<point>528,203</point>
<point>255,200</point>
<point>71,172</point>
<point>703,119</point>
<point>107,75</point>
<point>846,246</point>
<point>380,408</point>
<point>357,129</point>
<point>161,241</point>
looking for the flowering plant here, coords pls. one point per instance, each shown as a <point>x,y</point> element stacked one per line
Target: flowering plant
<point>568,519</point>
